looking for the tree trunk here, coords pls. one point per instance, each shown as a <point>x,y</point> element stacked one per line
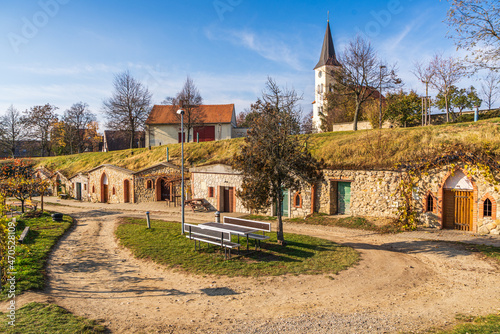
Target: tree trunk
<point>132,135</point>
<point>279,204</point>
<point>447,109</point>
<point>356,115</point>
<point>41,200</point>
<point>22,206</point>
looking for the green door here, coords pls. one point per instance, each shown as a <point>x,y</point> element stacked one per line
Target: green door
<point>344,197</point>
<point>284,207</point>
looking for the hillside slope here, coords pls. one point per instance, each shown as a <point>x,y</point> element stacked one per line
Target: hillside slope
<point>369,149</point>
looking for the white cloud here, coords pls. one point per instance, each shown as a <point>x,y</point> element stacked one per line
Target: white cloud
<point>270,48</point>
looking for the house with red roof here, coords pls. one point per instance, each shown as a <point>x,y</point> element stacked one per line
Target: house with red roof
<point>213,122</point>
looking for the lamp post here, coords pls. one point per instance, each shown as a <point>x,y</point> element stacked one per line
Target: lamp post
<point>380,98</point>
<point>181,112</point>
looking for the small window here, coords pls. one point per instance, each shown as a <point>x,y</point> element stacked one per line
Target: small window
<point>149,184</point>
<point>210,191</point>
<point>430,203</point>
<point>84,187</point>
<point>297,200</point>
<point>487,208</point>
<point>93,189</point>
<point>114,191</point>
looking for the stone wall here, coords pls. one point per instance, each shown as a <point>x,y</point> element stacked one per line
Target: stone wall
<point>433,182</point>
<point>202,181</point>
<point>83,180</point>
<point>116,178</point>
<point>143,193</point>
<point>372,192</point>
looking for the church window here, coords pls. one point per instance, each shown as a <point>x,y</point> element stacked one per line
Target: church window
<point>319,89</point>
<point>210,191</point>
<point>487,208</point>
<point>322,88</point>
<point>430,203</point>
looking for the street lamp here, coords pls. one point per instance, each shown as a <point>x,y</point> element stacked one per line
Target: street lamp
<point>380,98</point>
<point>181,112</point>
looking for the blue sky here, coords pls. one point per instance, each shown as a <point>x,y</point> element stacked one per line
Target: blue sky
<point>65,51</point>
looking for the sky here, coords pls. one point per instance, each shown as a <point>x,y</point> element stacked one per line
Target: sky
<point>66,51</point>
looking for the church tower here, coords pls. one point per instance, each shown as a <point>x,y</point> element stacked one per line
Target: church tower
<point>324,74</point>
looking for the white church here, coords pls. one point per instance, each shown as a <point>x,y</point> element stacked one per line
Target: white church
<point>324,76</point>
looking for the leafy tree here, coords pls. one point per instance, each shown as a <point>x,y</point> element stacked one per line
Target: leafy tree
<point>59,138</point>
<point>360,73</point>
<point>460,99</point>
<point>476,28</point>
<point>466,99</point>
<point>17,178</point>
<point>12,129</point>
<point>77,120</point>
<point>190,100</point>
<point>129,107</point>
<point>39,121</point>
<point>490,89</point>
<point>246,118</point>
<point>446,73</point>
<point>403,108</point>
<point>273,158</point>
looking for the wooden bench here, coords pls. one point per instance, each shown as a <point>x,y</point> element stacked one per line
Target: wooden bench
<point>261,226</point>
<point>24,234</point>
<point>222,239</point>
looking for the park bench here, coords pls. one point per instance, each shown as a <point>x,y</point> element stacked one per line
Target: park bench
<point>222,239</point>
<point>260,226</point>
<point>24,234</point>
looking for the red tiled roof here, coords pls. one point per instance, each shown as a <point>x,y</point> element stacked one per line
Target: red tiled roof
<point>167,114</point>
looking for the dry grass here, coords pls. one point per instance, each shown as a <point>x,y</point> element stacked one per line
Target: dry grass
<point>368,149</point>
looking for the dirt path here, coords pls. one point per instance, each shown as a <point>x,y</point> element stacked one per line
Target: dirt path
<point>400,284</point>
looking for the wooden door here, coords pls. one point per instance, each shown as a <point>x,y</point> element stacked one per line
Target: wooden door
<point>344,198</point>
<point>227,199</point>
<point>126,191</point>
<point>449,209</point>
<point>458,210</point>
<point>105,193</point>
<point>79,191</point>
<point>463,210</point>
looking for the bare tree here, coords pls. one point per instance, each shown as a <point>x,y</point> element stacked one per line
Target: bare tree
<point>361,74</point>
<point>129,107</point>
<point>39,121</point>
<point>77,120</point>
<point>424,73</point>
<point>447,72</point>
<point>476,29</point>
<point>307,126</point>
<point>190,100</point>
<point>12,130</point>
<point>490,88</point>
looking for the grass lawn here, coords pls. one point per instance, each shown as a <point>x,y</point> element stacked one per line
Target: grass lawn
<point>481,325</point>
<point>359,223</point>
<point>37,318</point>
<point>489,251</point>
<point>164,244</point>
<point>31,256</point>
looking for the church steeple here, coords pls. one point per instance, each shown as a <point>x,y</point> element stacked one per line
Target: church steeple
<point>328,56</point>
